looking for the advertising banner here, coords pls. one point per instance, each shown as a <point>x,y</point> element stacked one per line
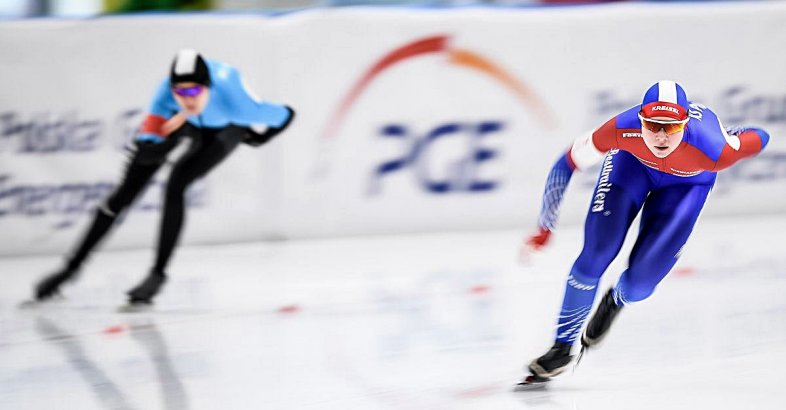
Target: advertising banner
<point>408,120</point>
<point>451,119</point>
<point>74,93</point>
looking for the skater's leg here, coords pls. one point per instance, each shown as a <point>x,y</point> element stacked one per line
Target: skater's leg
<point>604,236</point>
<point>667,221</point>
<point>183,175</point>
<point>136,178</point>
<point>619,194</point>
<point>617,200</point>
<point>139,171</point>
<point>209,151</point>
<point>144,162</point>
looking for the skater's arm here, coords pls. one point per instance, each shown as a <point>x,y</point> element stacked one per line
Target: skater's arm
<point>556,184</point>
<point>156,128</point>
<point>741,142</point>
<point>162,119</point>
<point>247,110</point>
<point>586,151</point>
<point>256,139</point>
<point>591,147</point>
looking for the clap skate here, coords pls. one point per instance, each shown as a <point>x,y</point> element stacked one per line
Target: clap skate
<point>542,369</point>
<point>140,298</point>
<point>48,288</point>
<point>601,321</point>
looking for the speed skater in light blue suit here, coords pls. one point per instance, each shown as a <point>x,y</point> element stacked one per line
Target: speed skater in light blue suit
<point>660,159</point>
<point>205,102</point>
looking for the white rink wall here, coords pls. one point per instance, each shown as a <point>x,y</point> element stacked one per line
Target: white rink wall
<point>409,120</point>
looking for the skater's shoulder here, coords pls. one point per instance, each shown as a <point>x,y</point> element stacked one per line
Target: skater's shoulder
<point>628,119</point>
<point>222,74</point>
<point>705,131</point>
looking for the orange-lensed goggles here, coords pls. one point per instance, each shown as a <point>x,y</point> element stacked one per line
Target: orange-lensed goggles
<point>670,127</point>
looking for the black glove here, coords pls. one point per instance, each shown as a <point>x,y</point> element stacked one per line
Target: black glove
<point>256,139</point>
<point>149,152</point>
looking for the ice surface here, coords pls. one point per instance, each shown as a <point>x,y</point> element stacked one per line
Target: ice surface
<point>436,321</point>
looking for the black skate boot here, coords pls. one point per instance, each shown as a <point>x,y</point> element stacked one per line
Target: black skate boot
<point>554,362</point>
<point>143,293</point>
<point>601,321</point>
<point>49,286</point>
<point>542,369</point>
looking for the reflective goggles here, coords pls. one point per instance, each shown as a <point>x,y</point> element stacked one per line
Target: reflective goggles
<point>670,127</point>
<point>188,91</point>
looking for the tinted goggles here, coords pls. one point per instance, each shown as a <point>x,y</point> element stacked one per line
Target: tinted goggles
<point>670,127</point>
<point>188,91</point>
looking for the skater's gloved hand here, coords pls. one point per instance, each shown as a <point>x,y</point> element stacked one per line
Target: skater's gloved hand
<point>539,239</point>
<point>256,138</point>
<point>533,243</point>
<point>149,139</point>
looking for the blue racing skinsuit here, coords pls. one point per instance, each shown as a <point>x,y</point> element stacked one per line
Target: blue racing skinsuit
<point>230,104</point>
<point>669,192</point>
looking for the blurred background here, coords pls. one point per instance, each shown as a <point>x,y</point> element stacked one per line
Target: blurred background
<point>368,258</point>
<point>83,8</point>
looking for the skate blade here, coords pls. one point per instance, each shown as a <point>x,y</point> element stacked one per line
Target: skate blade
<point>531,383</point>
<point>135,308</point>
<point>36,303</point>
<point>29,304</point>
<point>579,357</point>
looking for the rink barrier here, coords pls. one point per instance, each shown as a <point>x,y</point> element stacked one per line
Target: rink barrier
<point>409,119</point>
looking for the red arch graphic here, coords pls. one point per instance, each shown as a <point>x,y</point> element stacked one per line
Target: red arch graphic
<point>431,45</point>
<point>525,94</point>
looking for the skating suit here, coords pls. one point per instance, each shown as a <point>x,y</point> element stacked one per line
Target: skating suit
<point>213,135</point>
<point>670,193</point>
<point>230,104</point>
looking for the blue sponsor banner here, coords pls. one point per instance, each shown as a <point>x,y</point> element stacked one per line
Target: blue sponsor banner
<point>462,174</point>
<point>64,204</point>
<point>70,131</point>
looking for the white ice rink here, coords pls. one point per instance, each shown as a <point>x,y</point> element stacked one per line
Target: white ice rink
<point>438,321</point>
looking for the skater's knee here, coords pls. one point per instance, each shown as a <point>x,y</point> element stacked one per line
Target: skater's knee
<point>629,291</point>
<point>112,207</point>
<point>588,268</point>
<point>118,201</point>
<point>596,256</point>
<point>179,182</point>
<point>175,191</point>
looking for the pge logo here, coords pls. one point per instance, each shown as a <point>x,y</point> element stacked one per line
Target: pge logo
<point>462,174</point>
<point>462,177</point>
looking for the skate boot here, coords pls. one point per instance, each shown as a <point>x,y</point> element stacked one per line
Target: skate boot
<point>554,362</point>
<point>49,286</point>
<point>601,321</point>
<point>542,369</point>
<point>143,293</point>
